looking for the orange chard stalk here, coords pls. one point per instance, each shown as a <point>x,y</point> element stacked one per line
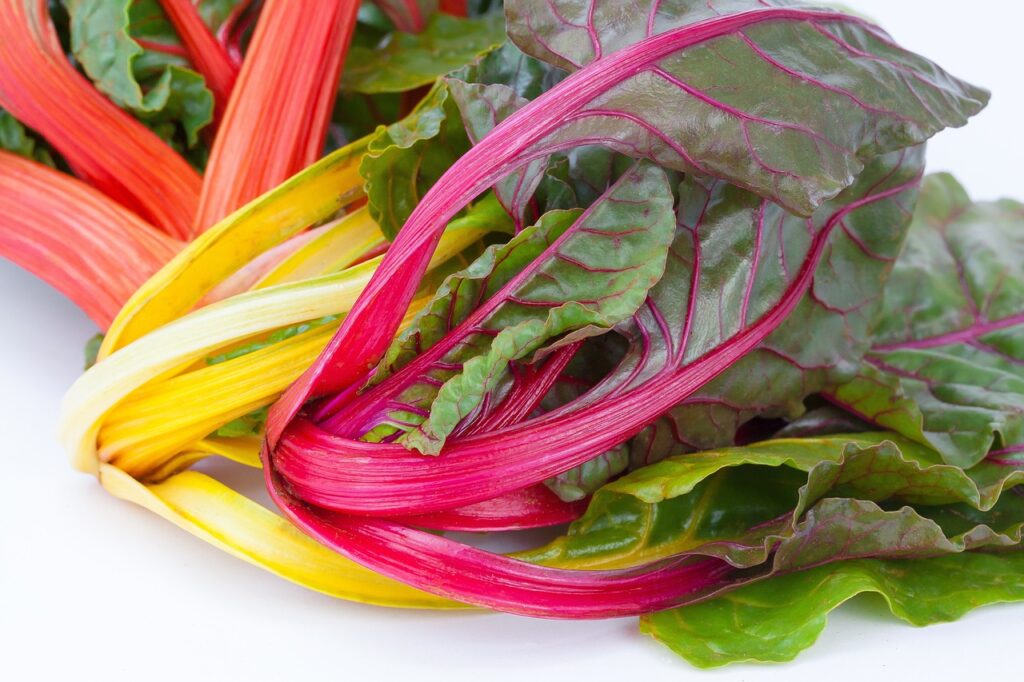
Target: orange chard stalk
<point>81,242</point>
<point>103,145</point>
<point>205,52</point>
<point>456,8</point>
<point>279,111</point>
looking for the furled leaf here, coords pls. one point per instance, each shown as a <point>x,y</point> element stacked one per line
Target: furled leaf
<point>156,83</point>
<point>405,159</point>
<point>404,61</point>
<point>17,139</point>
<point>695,85</point>
<point>571,276</point>
<point>947,363</point>
<point>775,620</point>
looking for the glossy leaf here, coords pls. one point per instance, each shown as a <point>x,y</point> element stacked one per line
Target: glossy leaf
<point>773,621</point>
<point>573,114</point>
<point>571,276</point>
<point>156,86</point>
<point>649,382</point>
<point>404,61</point>
<point>947,363</point>
<point>851,92</point>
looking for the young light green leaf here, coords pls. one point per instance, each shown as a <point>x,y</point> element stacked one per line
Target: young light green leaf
<point>947,363</point>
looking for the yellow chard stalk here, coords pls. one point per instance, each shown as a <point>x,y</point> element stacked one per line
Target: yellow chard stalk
<point>147,409</point>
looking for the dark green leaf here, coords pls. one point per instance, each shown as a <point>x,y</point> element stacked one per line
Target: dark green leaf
<point>17,139</point>
<point>404,61</point>
<point>733,256</point>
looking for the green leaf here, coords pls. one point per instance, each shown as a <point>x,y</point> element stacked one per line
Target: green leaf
<point>572,276</point>
<point>800,515</point>
<point>276,336</point>
<point>509,66</point>
<point>157,87</point>
<point>405,61</point>
<point>733,257</point>
<point>92,349</point>
<point>775,620</point>
<point>795,503</point>
<point>496,86</point>
<point>247,425</point>
<point>17,139</point>
<point>947,363</point>
<point>405,159</point>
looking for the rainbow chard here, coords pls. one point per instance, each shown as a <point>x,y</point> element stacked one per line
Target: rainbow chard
<point>800,220</point>
<point>946,366</point>
<point>657,270</point>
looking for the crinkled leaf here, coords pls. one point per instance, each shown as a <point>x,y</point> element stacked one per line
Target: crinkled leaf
<point>496,86</point>
<point>571,276</point>
<point>405,159</point>
<point>17,139</point>
<point>947,363</point>
<point>156,86</point>
<point>774,620</point>
<point>806,500</point>
<point>404,61</point>
<point>695,85</point>
<point>733,256</point>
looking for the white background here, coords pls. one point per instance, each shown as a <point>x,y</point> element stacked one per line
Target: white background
<point>94,588</point>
